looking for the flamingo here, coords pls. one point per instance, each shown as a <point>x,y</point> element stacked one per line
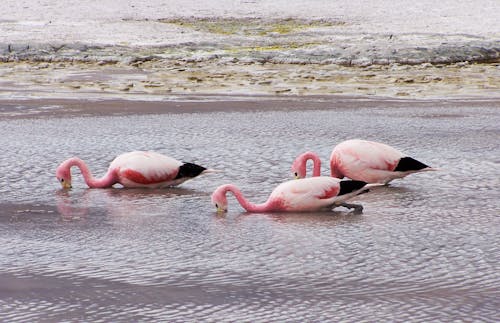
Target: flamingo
<point>363,160</point>
<point>134,169</point>
<point>308,194</point>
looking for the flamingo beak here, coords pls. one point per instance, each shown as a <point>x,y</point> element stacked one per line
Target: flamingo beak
<point>221,210</point>
<point>66,185</point>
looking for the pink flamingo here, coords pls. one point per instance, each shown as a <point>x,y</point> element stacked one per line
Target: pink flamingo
<point>308,194</point>
<point>363,160</point>
<point>134,169</point>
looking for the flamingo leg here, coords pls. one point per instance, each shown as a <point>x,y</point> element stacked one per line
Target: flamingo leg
<point>357,208</point>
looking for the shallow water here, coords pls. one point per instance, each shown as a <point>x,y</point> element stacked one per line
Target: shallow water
<point>425,248</point>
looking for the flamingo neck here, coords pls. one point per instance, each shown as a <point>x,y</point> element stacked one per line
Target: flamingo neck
<point>106,181</point>
<point>316,162</point>
<point>335,167</point>
<point>250,207</point>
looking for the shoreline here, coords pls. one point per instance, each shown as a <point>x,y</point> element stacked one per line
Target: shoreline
<point>170,80</point>
<point>158,51</point>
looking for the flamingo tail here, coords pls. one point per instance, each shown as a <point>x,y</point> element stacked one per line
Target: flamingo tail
<point>409,164</point>
<point>190,170</point>
<point>349,186</point>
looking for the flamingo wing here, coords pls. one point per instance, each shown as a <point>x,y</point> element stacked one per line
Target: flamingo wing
<point>306,194</point>
<point>139,168</point>
<point>368,154</point>
<point>364,160</point>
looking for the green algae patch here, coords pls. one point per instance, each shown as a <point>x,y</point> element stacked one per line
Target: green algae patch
<point>269,48</point>
<point>249,26</point>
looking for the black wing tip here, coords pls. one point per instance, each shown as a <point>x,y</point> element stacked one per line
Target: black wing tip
<point>189,170</point>
<point>407,164</point>
<point>349,186</point>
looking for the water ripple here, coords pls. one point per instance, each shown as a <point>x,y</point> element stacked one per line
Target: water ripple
<point>424,248</point>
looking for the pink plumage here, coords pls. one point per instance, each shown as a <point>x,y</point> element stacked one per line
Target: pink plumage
<point>363,160</point>
<point>134,169</point>
<point>309,194</point>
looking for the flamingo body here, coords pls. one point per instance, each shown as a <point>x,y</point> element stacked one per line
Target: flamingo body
<point>372,162</point>
<point>134,169</point>
<point>362,160</point>
<point>303,195</point>
<point>139,169</point>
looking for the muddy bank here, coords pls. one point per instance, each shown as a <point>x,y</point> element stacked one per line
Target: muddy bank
<point>164,80</point>
<point>380,48</point>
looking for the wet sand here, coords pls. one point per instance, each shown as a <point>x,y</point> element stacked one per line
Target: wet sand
<point>63,108</point>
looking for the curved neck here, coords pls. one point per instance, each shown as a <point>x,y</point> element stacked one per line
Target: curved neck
<point>334,167</point>
<point>106,181</point>
<point>316,162</point>
<point>250,207</point>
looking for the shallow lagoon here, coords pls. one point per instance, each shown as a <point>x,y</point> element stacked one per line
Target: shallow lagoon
<point>425,247</point>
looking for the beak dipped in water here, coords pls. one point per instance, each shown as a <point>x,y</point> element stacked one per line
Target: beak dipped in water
<point>66,185</point>
<point>220,209</point>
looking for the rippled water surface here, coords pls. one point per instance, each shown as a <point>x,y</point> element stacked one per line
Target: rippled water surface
<point>425,247</point>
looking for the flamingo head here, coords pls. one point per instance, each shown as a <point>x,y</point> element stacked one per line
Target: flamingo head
<point>63,175</point>
<point>219,199</point>
<point>299,168</point>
